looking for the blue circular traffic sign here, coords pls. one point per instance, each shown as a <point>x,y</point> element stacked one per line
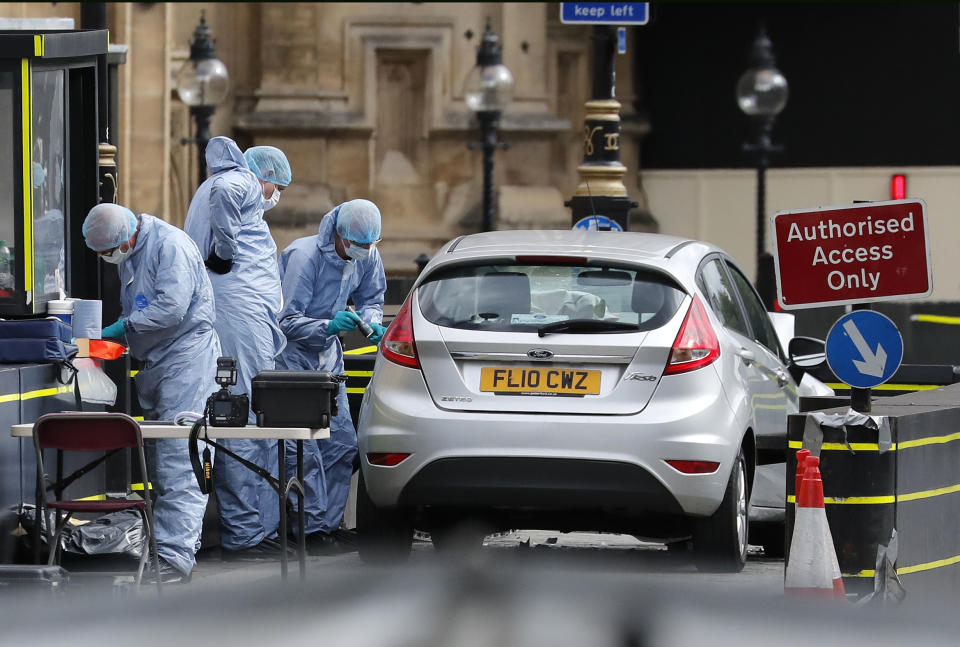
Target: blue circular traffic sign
<point>864,349</point>
<point>597,222</point>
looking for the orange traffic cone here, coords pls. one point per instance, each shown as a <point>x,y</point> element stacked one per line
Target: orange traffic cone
<point>802,456</point>
<point>812,567</point>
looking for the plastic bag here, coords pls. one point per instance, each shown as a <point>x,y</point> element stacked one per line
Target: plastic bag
<point>117,532</point>
<point>93,383</point>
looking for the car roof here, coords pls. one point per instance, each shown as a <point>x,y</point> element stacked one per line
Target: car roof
<point>564,241</point>
<point>674,255</point>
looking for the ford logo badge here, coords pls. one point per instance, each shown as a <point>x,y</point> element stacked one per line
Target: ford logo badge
<point>539,353</point>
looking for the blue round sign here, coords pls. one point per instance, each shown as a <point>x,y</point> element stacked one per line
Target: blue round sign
<point>864,349</point>
<point>597,223</point>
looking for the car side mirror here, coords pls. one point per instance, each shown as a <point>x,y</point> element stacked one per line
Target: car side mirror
<point>807,352</point>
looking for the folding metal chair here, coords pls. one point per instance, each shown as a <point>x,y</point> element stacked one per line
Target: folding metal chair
<point>90,432</point>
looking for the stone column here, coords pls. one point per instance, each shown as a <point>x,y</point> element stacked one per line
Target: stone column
<point>288,57</point>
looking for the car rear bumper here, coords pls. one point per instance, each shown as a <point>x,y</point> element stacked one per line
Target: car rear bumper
<point>561,461</point>
<point>541,483</point>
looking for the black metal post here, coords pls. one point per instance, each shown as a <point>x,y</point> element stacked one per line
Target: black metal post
<point>489,121</point>
<point>763,146</point>
<point>861,400</point>
<point>604,70</point>
<point>202,115</point>
<point>202,48</point>
<point>762,104</point>
<point>421,262</point>
<point>93,15</point>
<point>601,190</point>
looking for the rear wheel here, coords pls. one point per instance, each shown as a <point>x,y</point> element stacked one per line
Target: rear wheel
<point>384,536</point>
<point>720,541</point>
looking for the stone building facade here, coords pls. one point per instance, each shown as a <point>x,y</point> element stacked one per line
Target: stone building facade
<point>366,100</point>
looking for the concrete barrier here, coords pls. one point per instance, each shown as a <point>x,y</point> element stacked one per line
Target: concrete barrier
<point>892,494</point>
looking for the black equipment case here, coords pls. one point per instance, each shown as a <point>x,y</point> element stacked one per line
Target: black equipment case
<point>35,576</point>
<point>295,398</point>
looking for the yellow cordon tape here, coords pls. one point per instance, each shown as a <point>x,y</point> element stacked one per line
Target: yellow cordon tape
<point>888,387</point>
<point>886,498</point>
<point>26,110</point>
<point>134,487</point>
<point>916,568</point>
<point>45,393</point>
<point>939,319</point>
<point>30,395</point>
<point>874,447</point>
<point>361,351</point>
<point>854,500</point>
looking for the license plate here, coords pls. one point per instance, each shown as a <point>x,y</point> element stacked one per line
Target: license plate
<point>539,381</point>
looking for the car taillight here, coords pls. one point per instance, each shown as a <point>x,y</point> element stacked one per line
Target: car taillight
<point>386,459</point>
<point>398,344</point>
<point>696,344</point>
<point>694,467</point>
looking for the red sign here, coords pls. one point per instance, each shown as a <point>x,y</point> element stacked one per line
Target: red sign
<point>876,251</point>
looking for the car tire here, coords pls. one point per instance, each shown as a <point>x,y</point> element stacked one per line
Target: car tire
<point>384,536</point>
<point>720,541</point>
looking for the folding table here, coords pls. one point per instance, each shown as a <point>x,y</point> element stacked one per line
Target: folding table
<point>150,429</point>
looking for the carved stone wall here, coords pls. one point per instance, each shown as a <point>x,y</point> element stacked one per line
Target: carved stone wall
<point>366,100</point>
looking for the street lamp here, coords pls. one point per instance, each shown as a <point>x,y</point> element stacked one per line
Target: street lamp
<point>487,91</point>
<point>761,94</point>
<point>202,84</point>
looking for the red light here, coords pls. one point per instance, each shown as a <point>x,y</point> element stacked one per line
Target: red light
<point>696,344</point>
<point>386,459</point>
<point>694,467</point>
<point>898,187</point>
<point>398,344</point>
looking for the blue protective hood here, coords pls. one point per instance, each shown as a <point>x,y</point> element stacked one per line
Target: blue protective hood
<point>325,240</point>
<point>223,154</point>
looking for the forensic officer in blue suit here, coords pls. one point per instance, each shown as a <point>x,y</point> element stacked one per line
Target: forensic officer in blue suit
<point>167,321</point>
<point>225,219</point>
<point>319,274</point>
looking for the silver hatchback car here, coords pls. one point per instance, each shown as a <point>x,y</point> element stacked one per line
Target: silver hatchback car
<point>574,380</point>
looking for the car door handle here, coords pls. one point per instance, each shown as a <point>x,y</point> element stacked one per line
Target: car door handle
<point>747,356</point>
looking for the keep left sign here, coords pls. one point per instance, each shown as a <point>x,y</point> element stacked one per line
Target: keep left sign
<point>875,251</point>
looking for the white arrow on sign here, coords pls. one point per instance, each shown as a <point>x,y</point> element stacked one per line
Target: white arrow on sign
<point>872,364</point>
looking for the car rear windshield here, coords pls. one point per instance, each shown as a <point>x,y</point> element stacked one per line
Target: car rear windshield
<point>522,298</point>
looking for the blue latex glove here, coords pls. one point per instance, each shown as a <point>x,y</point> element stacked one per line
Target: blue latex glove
<point>378,331</point>
<point>342,322</point>
<point>116,330</point>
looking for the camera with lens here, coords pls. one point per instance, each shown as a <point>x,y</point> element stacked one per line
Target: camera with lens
<point>224,409</point>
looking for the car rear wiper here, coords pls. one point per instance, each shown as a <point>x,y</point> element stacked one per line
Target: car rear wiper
<point>585,325</point>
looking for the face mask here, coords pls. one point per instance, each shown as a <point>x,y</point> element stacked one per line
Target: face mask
<point>357,253</point>
<point>116,256</point>
<point>272,201</point>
